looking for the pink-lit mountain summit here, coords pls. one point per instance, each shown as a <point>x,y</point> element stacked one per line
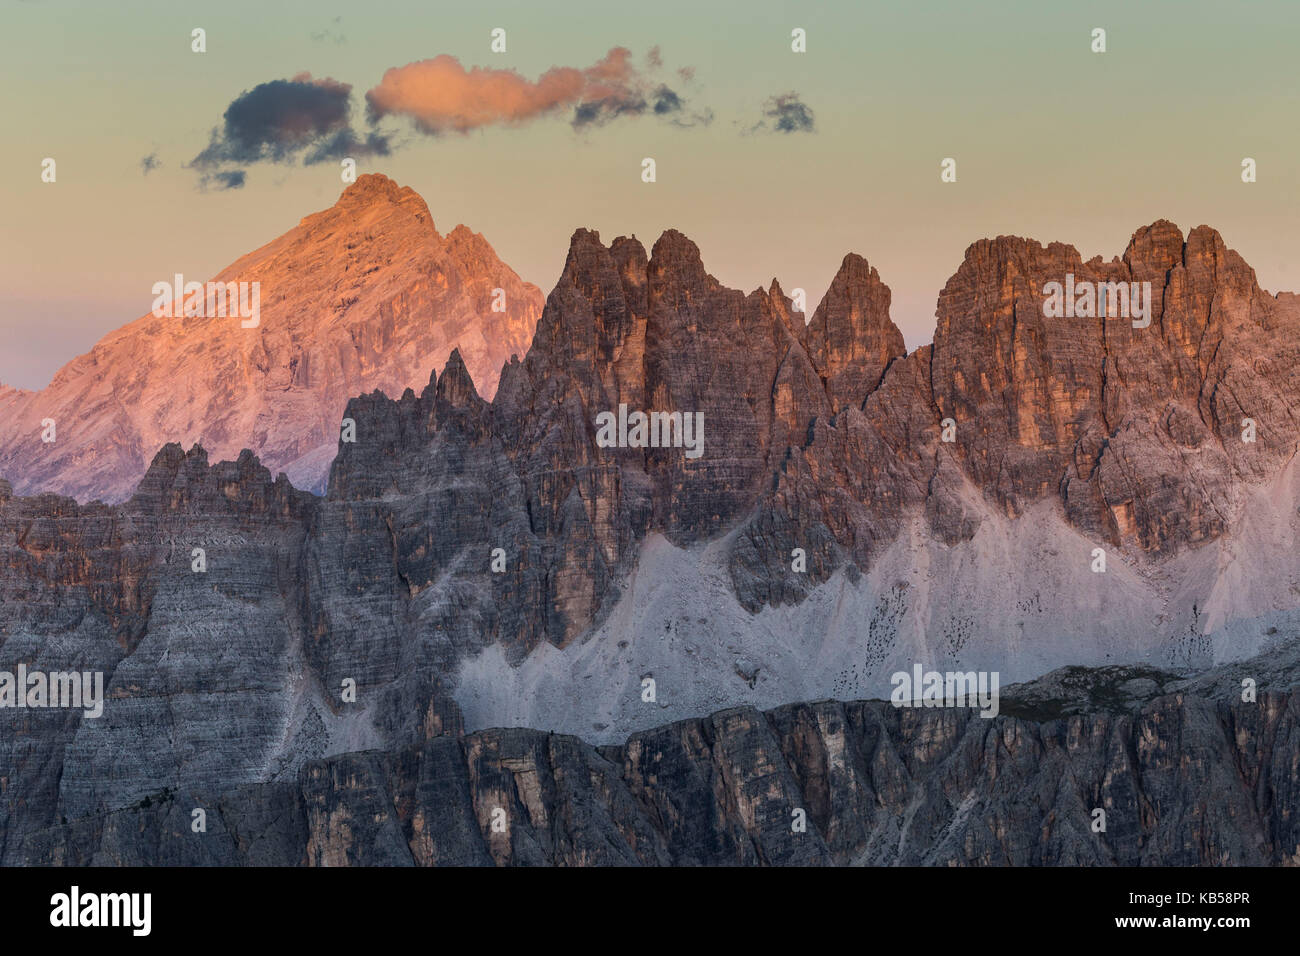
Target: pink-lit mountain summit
<point>364,295</point>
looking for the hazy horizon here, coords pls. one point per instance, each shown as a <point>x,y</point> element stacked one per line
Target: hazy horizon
<point>890,93</point>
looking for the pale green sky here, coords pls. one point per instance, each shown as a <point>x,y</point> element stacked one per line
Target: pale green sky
<point>1052,141</point>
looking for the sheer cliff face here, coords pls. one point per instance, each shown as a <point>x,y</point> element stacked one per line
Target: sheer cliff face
<point>1137,430</point>
<point>1184,779</point>
<point>364,295</point>
<point>828,438</point>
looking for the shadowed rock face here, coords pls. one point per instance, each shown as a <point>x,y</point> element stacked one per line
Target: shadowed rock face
<point>364,295</point>
<point>1184,779</point>
<point>823,437</point>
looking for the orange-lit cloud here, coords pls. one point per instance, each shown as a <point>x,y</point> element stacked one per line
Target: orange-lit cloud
<point>441,95</point>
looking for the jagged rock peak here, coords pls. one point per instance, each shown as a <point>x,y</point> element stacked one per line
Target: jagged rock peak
<point>468,244</point>
<point>783,306</point>
<point>375,188</point>
<point>1154,249</point>
<point>851,339</point>
<point>455,386</point>
<point>172,458</point>
<point>180,480</point>
<point>373,196</point>
<point>676,255</point>
<point>630,257</point>
<point>584,239</point>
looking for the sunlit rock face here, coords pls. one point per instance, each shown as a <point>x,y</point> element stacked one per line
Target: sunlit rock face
<point>365,295</point>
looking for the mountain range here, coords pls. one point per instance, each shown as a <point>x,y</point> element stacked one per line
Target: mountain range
<point>1023,495</point>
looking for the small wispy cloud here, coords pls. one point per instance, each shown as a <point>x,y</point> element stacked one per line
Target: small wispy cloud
<point>785,113</point>
<point>149,163</point>
<point>230,179</point>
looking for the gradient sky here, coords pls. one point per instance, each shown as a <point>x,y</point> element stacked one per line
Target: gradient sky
<point>1052,141</point>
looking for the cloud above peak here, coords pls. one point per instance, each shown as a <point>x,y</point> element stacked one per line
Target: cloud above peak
<point>282,121</point>
<point>441,95</point>
<point>306,121</point>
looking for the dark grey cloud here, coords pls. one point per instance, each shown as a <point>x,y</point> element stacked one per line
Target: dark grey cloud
<point>673,107</point>
<point>785,113</point>
<point>347,143</point>
<point>662,102</point>
<point>222,180</point>
<point>149,163</point>
<point>607,108</point>
<point>666,101</point>
<point>283,121</point>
